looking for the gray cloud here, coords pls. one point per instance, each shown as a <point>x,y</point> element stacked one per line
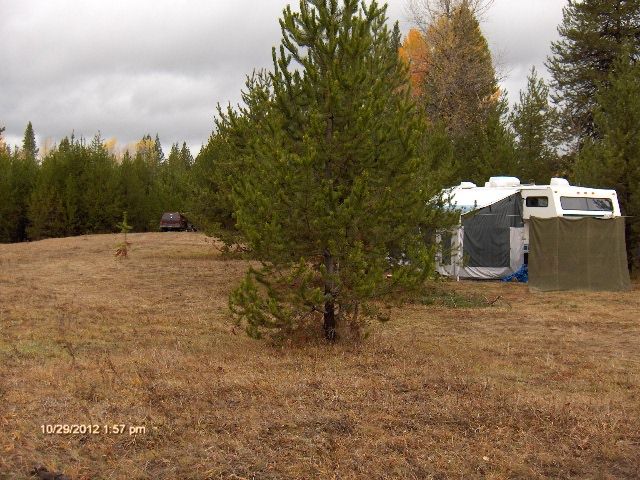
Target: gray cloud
<point>158,66</point>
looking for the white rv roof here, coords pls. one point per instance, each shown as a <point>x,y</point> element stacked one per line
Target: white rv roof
<point>467,196</point>
<point>466,199</point>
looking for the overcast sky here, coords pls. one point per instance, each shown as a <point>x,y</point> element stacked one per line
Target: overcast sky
<point>126,68</point>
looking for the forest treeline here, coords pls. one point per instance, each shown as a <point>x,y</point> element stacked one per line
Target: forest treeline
<point>583,125</point>
<point>82,187</point>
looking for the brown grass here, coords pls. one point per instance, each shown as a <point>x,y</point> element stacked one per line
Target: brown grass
<point>535,386</point>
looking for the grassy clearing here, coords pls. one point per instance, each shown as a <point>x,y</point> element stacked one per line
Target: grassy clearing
<point>531,386</point>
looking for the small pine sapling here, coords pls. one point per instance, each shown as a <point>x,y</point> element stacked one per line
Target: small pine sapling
<point>122,249</point>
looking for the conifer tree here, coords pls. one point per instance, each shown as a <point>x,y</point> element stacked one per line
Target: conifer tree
<point>100,188</point>
<point>29,145</point>
<point>17,175</point>
<point>487,148</point>
<point>46,210</point>
<point>593,33</point>
<point>147,164</point>
<point>535,123</point>
<point>19,172</point>
<point>6,224</point>
<point>157,148</point>
<point>174,186</point>
<point>222,159</point>
<point>133,192</point>
<point>614,160</point>
<point>334,194</point>
<point>186,158</point>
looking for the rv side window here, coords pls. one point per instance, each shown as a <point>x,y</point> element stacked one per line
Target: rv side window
<point>537,201</point>
<point>600,204</point>
<point>586,204</point>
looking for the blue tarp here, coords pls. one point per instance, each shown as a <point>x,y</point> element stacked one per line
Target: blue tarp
<point>522,275</point>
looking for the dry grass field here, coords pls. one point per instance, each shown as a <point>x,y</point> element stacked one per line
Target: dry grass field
<point>532,386</point>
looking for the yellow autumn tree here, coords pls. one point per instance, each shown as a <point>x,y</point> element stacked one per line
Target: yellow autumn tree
<point>415,54</point>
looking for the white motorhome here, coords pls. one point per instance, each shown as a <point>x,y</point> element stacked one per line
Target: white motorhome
<point>492,237</point>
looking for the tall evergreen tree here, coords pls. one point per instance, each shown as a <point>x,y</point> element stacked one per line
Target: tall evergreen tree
<point>175,187</point>
<point>47,203</point>
<point>6,206</point>
<point>147,168</point>
<point>186,158</point>
<point>486,149</point>
<point>100,193</point>
<point>19,171</point>
<point>29,145</point>
<point>613,161</point>
<point>132,193</point>
<point>535,123</point>
<point>157,148</point>
<point>334,194</point>
<point>593,33</point>
<point>226,156</point>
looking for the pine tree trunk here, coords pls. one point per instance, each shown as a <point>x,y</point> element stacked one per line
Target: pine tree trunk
<point>329,305</point>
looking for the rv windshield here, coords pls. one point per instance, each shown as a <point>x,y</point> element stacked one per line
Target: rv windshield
<point>587,204</point>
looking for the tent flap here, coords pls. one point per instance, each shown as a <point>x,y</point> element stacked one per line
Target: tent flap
<point>487,233</point>
<point>577,254</point>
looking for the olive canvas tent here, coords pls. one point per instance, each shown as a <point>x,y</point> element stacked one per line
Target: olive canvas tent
<point>578,254</point>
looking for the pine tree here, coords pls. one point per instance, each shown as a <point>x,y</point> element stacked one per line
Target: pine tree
<point>147,164</point>
<point>19,170</point>
<point>614,160</point>
<point>186,158</point>
<point>535,123</point>
<point>46,209</point>
<point>23,174</point>
<point>593,33</point>
<point>29,145</point>
<point>6,207</point>
<point>334,194</point>
<point>157,148</point>
<point>99,182</point>
<point>222,159</point>
<point>487,148</point>
<point>175,189</point>
<point>131,193</point>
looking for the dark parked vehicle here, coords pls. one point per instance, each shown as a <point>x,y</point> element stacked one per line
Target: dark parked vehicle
<point>176,222</point>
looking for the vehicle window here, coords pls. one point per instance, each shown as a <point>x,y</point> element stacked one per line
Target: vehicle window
<point>537,202</point>
<point>574,203</point>
<point>586,204</point>
<point>600,204</point>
